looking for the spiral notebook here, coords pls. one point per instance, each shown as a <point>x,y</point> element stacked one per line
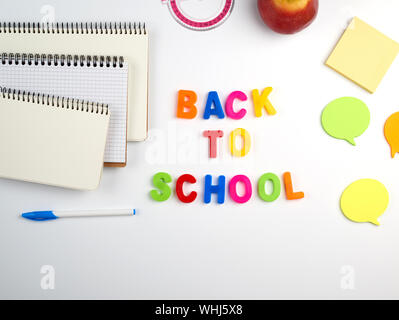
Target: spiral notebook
<point>52,140</point>
<point>100,79</point>
<point>106,39</point>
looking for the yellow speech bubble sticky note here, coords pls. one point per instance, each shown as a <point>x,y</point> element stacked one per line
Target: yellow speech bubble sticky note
<point>391,132</point>
<point>365,200</point>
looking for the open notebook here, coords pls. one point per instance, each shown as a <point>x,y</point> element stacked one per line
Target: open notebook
<point>100,79</point>
<point>108,39</point>
<point>52,140</point>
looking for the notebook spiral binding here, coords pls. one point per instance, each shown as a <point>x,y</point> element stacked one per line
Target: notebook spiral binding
<point>54,101</point>
<point>74,27</point>
<point>62,60</point>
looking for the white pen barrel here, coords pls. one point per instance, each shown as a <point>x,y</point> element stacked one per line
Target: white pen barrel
<point>94,213</point>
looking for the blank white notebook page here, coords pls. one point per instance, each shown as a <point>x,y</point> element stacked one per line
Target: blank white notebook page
<point>46,142</point>
<point>103,84</point>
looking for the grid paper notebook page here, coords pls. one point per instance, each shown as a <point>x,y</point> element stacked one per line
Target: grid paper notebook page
<point>129,40</point>
<point>101,84</point>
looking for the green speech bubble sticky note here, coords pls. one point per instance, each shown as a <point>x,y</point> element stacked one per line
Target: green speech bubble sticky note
<point>346,118</point>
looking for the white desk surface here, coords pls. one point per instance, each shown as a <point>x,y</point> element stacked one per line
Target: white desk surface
<point>286,249</point>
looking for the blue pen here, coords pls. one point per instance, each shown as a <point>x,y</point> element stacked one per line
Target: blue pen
<point>52,215</point>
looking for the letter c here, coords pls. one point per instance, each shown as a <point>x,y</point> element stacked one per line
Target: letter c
<point>179,188</point>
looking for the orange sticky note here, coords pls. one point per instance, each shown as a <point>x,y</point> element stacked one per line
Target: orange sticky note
<point>391,132</point>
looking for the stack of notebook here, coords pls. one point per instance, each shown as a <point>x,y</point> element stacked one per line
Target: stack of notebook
<point>71,97</point>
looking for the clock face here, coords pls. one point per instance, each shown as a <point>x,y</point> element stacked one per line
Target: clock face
<point>200,14</point>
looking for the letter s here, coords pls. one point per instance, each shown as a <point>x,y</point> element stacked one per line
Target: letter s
<point>160,181</point>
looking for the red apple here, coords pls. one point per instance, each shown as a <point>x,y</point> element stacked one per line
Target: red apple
<point>288,16</point>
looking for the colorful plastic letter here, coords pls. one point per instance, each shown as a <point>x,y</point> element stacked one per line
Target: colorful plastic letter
<point>229,105</point>
<point>160,181</point>
<point>246,145</point>
<point>289,191</point>
<point>213,135</point>
<point>179,188</point>
<point>262,187</point>
<point>262,101</point>
<point>213,99</point>
<point>233,189</point>
<point>186,108</point>
<point>219,189</point>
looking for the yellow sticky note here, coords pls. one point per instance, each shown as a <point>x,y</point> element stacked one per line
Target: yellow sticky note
<point>363,55</point>
<point>365,200</point>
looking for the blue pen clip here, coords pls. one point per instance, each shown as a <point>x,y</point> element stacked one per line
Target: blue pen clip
<point>39,215</point>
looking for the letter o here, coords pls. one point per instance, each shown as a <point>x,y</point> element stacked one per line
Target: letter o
<point>276,187</point>
<point>246,142</point>
<point>233,189</point>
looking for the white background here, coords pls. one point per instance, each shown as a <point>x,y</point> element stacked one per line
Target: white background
<point>285,249</point>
